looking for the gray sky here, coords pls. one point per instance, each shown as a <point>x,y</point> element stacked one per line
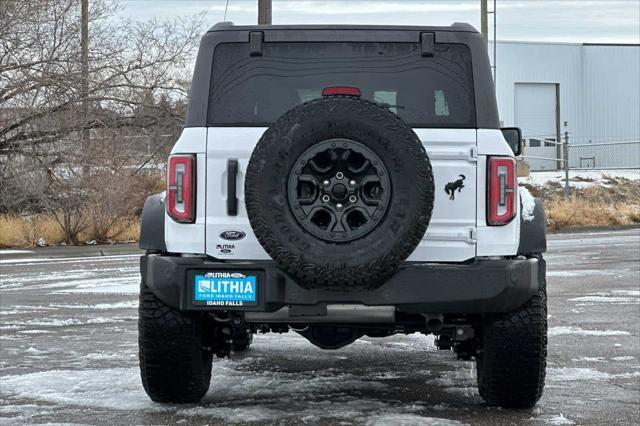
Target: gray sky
<point>612,21</point>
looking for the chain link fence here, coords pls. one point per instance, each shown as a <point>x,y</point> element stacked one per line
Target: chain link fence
<point>548,154</point>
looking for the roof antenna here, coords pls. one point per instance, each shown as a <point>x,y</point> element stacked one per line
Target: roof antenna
<point>225,11</point>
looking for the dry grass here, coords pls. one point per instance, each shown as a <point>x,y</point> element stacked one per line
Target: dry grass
<point>26,231</point>
<point>130,230</point>
<point>577,212</point>
<point>595,206</point>
<point>522,169</point>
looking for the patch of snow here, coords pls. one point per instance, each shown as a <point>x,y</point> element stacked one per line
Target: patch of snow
<point>236,414</point>
<point>628,375</point>
<point>579,273</point>
<point>623,358</point>
<point>528,204</point>
<point>103,320</point>
<point>236,394</point>
<point>65,322</point>
<point>607,299</point>
<point>579,178</point>
<point>561,331</point>
<point>556,419</point>
<point>101,356</point>
<point>571,374</point>
<point>626,292</point>
<point>129,284</point>
<point>47,322</point>
<point>589,359</point>
<point>101,306</point>
<point>232,384</point>
<point>114,388</point>
<point>20,280</point>
<point>86,259</point>
<point>34,351</point>
<point>64,278</point>
<point>346,408</point>
<point>460,381</point>
<point>563,274</point>
<point>409,420</point>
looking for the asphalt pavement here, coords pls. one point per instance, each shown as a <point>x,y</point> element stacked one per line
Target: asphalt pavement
<point>68,352</point>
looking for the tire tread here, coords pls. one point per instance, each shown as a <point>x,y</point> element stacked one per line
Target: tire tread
<point>173,364</point>
<point>512,364</point>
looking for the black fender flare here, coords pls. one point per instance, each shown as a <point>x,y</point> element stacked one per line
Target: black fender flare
<point>533,234</point>
<point>152,224</point>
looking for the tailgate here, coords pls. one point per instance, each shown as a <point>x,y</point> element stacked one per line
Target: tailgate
<point>450,236</point>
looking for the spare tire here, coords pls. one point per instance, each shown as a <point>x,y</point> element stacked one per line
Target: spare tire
<point>339,191</point>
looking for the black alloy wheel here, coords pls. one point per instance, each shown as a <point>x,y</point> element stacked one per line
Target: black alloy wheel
<point>339,190</point>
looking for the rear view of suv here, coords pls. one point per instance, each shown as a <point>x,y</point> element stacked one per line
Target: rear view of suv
<point>341,182</point>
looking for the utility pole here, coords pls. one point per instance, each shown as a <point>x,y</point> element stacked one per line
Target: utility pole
<point>84,84</point>
<point>565,158</point>
<point>495,46</point>
<point>484,22</point>
<point>264,12</point>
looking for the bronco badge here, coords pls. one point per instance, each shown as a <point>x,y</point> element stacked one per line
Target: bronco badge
<point>451,187</point>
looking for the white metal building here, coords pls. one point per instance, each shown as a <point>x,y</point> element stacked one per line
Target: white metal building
<point>591,91</point>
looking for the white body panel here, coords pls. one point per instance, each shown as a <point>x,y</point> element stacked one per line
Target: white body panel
<point>494,240</point>
<point>226,143</point>
<point>189,237</point>
<point>457,231</point>
<point>451,233</point>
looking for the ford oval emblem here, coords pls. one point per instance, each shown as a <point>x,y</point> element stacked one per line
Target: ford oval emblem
<point>232,235</point>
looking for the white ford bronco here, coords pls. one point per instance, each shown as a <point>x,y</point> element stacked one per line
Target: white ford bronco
<point>341,182</point>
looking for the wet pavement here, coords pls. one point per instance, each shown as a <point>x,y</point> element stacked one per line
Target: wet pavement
<point>68,353</point>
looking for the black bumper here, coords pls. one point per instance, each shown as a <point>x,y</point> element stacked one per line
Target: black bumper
<point>484,286</point>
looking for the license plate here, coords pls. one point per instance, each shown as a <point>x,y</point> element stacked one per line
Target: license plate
<point>225,289</point>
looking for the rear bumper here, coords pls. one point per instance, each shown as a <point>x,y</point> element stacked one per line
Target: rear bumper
<point>484,286</point>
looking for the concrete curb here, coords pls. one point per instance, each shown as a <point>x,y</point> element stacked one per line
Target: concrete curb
<point>73,251</point>
<point>579,229</point>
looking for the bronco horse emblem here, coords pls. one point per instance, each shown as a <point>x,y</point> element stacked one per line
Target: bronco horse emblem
<point>451,187</point>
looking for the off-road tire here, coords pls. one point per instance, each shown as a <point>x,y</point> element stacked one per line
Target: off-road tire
<point>369,260</point>
<point>512,363</point>
<point>174,365</point>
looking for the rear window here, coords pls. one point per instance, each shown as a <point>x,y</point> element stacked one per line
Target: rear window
<point>425,91</point>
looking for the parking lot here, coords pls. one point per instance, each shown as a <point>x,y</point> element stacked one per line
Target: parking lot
<point>68,352</point>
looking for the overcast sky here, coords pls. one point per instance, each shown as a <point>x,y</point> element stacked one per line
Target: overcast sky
<point>604,21</point>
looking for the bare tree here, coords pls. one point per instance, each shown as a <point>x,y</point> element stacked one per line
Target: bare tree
<point>40,68</point>
<point>136,91</point>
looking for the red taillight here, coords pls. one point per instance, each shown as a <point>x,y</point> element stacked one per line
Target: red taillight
<point>341,90</point>
<point>181,183</point>
<point>501,190</point>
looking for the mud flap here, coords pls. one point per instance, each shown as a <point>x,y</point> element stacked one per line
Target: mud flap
<point>533,236</point>
<point>152,224</point>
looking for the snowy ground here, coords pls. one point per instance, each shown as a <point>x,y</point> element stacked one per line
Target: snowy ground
<point>579,178</point>
<point>68,354</point>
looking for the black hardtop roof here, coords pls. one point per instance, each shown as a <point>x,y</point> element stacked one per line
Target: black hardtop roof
<point>455,27</point>
<point>457,33</point>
